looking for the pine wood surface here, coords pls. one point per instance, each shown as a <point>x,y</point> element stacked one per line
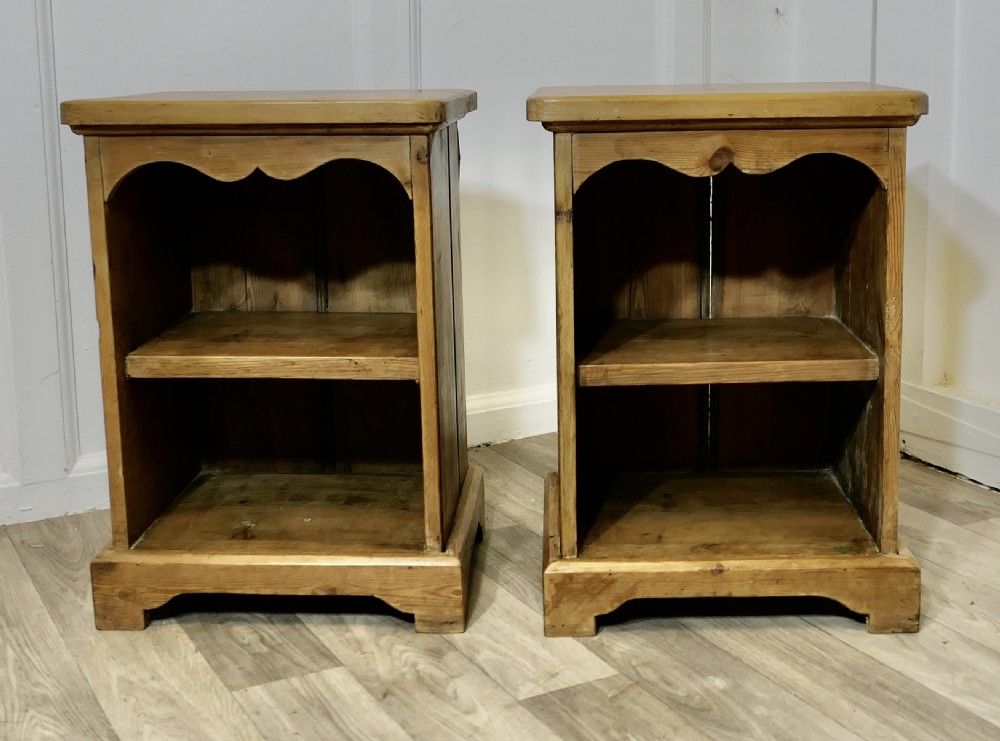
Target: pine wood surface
<point>699,105</point>
<point>679,351</point>
<point>296,514</point>
<point>288,107</point>
<point>250,668</point>
<point>261,344</point>
<point>698,518</point>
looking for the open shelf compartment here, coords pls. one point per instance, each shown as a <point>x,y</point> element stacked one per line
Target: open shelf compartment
<point>312,277</point>
<point>729,279</point>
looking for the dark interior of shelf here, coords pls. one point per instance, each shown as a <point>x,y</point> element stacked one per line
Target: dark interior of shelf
<point>807,240</point>
<point>724,429</point>
<point>338,239</point>
<point>191,428</point>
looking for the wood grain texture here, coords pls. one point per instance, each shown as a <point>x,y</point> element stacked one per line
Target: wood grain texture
<point>293,514</point>
<point>248,650</point>
<point>45,694</point>
<point>884,588</point>
<point>231,158</point>
<point>847,684</point>
<point>715,693</point>
<point>686,351</point>
<point>565,341</point>
<point>770,105</point>
<point>330,704</point>
<point>720,669</point>
<point>424,682</point>
<point>277,107</point>
<point>687,518</point>
<point>509,648</point>
<point>150,684</point>
<point>282,345</point>
<point>706,153</point>
<point>611,708</point>
<point>128,584</point>
<point>461,432</point>
<point>776,238</point>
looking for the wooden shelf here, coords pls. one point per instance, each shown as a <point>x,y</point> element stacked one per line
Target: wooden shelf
<point>696,351</point>
<point>314,514</point>
<point>256,344</point>
<point>674,517</point>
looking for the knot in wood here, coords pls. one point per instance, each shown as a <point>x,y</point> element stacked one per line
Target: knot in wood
<point>722,158</point>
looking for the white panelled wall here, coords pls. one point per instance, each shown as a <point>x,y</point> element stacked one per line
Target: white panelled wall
<point>51,427</point>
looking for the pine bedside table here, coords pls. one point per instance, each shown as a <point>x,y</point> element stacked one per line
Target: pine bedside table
<point>279,298</point>
<point>729,269</point>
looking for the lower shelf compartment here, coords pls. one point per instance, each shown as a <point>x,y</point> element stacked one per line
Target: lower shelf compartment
<point>688,517</point>
<point>192,548</point>
<point>718,542</point>
<point>293,513</point>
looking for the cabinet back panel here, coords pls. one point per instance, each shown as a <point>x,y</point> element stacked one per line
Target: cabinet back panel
<point>776,238</point>
<point>339,238</point>
<point>289,426</point>
<point>782,425</point>
<point>367,223</point>
<point>640,238</point>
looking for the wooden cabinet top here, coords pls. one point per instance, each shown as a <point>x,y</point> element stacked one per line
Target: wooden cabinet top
<point>292,108</point>
<point>793,105</point>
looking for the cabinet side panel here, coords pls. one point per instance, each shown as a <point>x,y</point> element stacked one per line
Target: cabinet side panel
<point>456,279</point>
<point>565,352</point>
<point>445,329</point>
<point>869,302</point>
<point>143,285</point>
<point>435,333</point>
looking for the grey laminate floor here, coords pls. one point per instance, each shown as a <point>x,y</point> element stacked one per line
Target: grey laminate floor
<point>338,668</point>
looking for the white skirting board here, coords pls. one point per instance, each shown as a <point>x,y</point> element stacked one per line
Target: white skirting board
<point>952,429</point>
<point>511,415</point>
<point>83,489</point>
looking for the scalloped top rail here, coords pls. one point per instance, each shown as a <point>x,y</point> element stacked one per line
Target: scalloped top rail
<point>790,105</point>
<point>328,109</point>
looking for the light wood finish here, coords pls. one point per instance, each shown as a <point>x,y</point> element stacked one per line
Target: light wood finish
<point>883,587</point>
<point>129,583</point>
<point>297,514</point>
<point>683,351</point>
<point>694,518</point>
<point>728,346</point>
<point>704,153</point>
<point>772,105</point>
<point>565,336</point>
<point>277,667</point>
<point>282,108</point>
<point>241,344</point>
<point>281,347</point>
<point>231,158</point>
